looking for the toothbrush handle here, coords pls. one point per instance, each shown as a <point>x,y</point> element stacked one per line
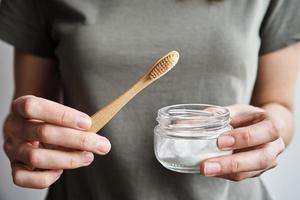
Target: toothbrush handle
<point>100,118</point>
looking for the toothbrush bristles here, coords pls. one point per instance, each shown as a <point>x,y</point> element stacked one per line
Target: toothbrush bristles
<point>164,64</point>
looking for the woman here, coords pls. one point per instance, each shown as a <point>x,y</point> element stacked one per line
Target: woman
<point>73,57</point>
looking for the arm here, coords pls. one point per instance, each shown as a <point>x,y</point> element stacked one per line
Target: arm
<point>36,76</point>
<point>260,131</point>
<point>275,87</point>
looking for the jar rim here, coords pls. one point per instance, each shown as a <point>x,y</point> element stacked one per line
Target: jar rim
<point>193,117</point>
<point>163,111</point>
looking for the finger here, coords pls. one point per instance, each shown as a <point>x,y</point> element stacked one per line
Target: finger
<point>13,149</point>
<point>244,175</point>
<point>243,113</point>
<point>31,107</point>
<point>34,179</point>
<point>64,137</point>
<point>247,119</point>
<point>253,135</point>
<point>7,127</point>
<point>258,159</point>
<point>8,149</point>
<point>53,159</point>
<point>10,125</point>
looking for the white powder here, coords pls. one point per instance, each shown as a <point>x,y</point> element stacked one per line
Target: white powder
<point>187,153</point>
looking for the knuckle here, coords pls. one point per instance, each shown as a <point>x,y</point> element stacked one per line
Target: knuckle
<point>41,132</point>
<point>84,142</point>
<point>12,128</point>
<point>65,117</point>
<point>234,166</point>
<point>266,159</point>
<point>45,181</point>
<point>7,127</point>
<point>29,105</point>
<point>274,129</point>
<point>7,148</point>
<point>16,177</point>
<point>33,158</point>
<point>261,113</point>
<point>237,177</point>
<point>246,136</point>
<point>72,163</point>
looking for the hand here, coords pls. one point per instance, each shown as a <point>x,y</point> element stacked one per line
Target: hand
<point>43,137</point>
<point>255,141</point>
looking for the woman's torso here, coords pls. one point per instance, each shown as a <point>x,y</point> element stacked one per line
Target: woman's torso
<point>104,46</point>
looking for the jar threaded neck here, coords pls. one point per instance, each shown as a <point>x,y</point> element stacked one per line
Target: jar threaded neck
<point>196,119</point>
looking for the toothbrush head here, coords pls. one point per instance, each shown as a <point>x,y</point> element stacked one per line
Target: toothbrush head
<point>164,64</point>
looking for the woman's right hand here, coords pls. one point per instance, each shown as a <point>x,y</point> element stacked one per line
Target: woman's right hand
<point>42,137</point>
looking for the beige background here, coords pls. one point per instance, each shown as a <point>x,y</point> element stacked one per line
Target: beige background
<point>282,182</point>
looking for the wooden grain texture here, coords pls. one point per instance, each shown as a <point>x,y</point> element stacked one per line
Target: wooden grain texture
<point>103,116</point>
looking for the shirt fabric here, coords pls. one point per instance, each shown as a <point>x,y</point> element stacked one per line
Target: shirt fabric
<point>105,46</point>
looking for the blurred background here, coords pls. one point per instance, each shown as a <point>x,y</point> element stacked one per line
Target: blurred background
<point>282,181</point>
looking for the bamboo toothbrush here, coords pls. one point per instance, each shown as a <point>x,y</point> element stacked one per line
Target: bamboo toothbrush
<point>161,67</point>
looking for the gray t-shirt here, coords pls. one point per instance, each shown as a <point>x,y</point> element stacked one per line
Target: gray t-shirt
<point>104,46</point>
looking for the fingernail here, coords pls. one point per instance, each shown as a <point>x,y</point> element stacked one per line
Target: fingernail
<point>225,141</point>
<point>212,168</point>
<point>87,157</point>
<point>103,146</point>
<point>84,122</point>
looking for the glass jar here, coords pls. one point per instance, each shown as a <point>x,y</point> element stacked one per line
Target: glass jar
<point>186,134</point>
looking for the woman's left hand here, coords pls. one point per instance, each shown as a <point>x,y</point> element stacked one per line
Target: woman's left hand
<point>255,141</point>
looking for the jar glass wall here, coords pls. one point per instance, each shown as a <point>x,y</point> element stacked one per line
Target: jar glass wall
<point>186,134</point>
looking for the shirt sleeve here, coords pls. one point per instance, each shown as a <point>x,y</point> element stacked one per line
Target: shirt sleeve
<point>23,24</point>
<point>281,25</point>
